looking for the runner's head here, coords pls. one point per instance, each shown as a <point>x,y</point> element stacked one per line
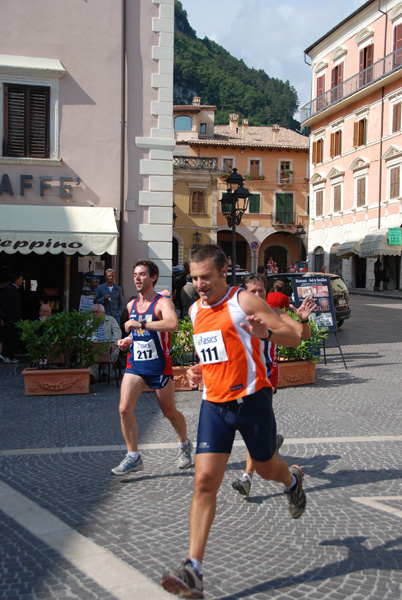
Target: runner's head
<point>146,274</point>
<point>256,284</point>
<point>208,268</point>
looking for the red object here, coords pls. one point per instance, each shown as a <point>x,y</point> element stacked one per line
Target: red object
<point>278,300</point>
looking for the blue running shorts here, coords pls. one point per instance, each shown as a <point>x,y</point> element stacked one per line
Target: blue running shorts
<point>252,416</point>
<point>154,382</point>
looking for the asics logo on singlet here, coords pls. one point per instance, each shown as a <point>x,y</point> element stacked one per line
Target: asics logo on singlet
<point>207,340</point>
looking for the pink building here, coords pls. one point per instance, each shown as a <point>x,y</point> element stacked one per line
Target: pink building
<point>356,145</point>
<point>86,163</point>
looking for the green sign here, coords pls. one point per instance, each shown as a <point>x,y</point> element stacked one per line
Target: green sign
<point>395,236</point>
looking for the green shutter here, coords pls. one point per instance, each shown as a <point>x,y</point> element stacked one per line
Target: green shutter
<point>254,203</point>
<point>284,208</point>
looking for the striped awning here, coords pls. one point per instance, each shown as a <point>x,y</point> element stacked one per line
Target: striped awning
<point>346,249</point>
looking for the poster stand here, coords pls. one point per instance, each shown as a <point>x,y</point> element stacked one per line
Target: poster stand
<point>339,346</point>
<point>319,288</point>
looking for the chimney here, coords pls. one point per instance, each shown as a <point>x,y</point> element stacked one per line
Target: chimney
<point>196,100</point>
<point>244,126</point>
<point>275,133</point>
<point>234,122</point>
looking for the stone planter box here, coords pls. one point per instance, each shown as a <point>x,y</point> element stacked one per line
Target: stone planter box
<point>181,383</point>
<point>299,372</point>
<point>55,382</point>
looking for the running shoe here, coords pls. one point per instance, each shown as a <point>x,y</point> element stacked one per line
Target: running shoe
<point>184,458</point>
<point>242,485</point>
<point>128,465</point>
<point>13,360</point>
<point>185,581</point>
<point>5,359</point>
<point>296,497</point>
<point>279,441</point>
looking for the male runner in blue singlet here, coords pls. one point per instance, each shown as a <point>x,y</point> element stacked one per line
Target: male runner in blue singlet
<point>151,319</point>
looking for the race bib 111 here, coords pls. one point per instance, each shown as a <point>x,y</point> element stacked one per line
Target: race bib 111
<point>210,347</point>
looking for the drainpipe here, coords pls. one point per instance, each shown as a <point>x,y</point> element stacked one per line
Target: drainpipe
<point>122,137</point>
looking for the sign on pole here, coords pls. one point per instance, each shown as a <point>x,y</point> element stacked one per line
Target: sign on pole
<point>395,236</point>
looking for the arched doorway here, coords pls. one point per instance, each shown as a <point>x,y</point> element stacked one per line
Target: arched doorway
<point>224,240</point>
<point>318,258</point>
<point>335,262</point>
<point>175,252</point>
<point>279,255</point>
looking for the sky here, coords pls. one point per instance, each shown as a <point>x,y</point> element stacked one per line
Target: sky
<point>269,34</point>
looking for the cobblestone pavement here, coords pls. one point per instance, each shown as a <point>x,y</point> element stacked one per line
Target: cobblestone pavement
<point>345,431</point>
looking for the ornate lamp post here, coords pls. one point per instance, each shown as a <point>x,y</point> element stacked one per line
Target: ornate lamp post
<point>300,236</point>
<point>234,205</point>
<point>196,239</point>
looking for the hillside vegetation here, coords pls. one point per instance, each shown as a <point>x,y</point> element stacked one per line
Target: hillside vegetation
<point>204,68</point>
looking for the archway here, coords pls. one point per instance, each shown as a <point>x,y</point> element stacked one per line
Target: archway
<point>318,258</point>
<point>335,262</point>
<point>224,240</point>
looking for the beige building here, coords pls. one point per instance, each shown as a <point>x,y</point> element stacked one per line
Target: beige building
<point>86,160</point>
<point>274,163</point>
<point>356,145</point>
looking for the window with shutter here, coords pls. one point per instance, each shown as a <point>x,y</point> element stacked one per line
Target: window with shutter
<point>336,82</point>
<point>318,151</point>
<point>397,61</point>
<point>26,121</point>
<point>396,117</point>
<point>336,143</point>
<point>319,203</point>
<point>320,92</point>
<point>366,59</point>
<point>394,182</point>
<point>361,191</point>
<point>254,203</point>
<point>359,133</point>
<point>197,202</point>
<point>254,168</point>
<point>227,165</point>
<point>337,197</point>
<point>284,208</point>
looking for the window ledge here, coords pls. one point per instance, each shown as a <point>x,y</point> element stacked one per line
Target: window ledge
<point>48,162</point>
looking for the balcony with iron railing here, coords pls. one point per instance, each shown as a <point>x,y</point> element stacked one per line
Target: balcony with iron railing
<point>363,79</point>
<point>284,218</point>
<point>195,163</point>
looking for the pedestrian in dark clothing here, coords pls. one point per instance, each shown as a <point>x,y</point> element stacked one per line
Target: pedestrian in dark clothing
<point>11,313</point>
<point>378,274</point>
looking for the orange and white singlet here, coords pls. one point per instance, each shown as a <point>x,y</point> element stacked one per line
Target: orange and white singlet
<point>233,362</point>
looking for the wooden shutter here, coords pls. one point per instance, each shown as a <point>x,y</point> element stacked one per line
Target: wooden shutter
<point>254,203</point>
<point>361,191</point>
<point>337,198</point>
<point>26,121</point>
<point>320,91</point>
<point>314,153</point>
<point>397,45</point>
<point>319,203</point>
<point>332,146</point>
<point>396,118</point>
<point>356,134</point>
<point>394,182</point>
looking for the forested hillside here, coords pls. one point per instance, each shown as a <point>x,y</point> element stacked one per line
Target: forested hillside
<point>204,68</point>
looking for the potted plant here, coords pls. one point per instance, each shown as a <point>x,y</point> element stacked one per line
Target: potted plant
<point>182,353</point>
<point>297,365</point>
<point>64,339</point>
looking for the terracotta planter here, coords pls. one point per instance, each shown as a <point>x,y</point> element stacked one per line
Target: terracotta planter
<point>54,382</point>
<point>299,372</point>
<point>181,383</point>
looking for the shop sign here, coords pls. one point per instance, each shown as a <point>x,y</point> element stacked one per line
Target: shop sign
<point>25,182</point>
<point>395,236</point>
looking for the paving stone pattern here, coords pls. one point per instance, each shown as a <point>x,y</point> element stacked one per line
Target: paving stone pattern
<point>339,549</point>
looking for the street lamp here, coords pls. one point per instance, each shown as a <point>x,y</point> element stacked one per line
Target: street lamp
<point>196,239</point>
<point>234,205</point>
<point>300,236</point>
<point>174,215</point>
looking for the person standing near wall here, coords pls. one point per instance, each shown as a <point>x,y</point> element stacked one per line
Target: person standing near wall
<point>110,295</point>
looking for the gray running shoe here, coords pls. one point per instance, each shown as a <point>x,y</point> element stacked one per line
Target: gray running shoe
<point>242,485</point>
<point>184,458</point>
<point>184,581</point>
<point>5,359</point>
<point>279,441</point>
<point>296,498</point>
<point>128,465</point>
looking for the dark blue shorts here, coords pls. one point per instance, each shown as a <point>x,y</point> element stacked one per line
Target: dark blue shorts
<point>154,382</point>
<point>252,416</point>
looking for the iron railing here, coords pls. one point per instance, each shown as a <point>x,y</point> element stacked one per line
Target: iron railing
<point>284,217</point>
<point>392,62</point>
<point>195,162</point>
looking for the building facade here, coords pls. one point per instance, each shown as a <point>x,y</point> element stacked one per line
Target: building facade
<point>86,160</point>
<point>356,145</point>
<point>274,163</point>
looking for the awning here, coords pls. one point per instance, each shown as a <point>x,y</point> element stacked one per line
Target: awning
<point>376,243</point>
<point>346,249</point>
<point>55,229</point>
